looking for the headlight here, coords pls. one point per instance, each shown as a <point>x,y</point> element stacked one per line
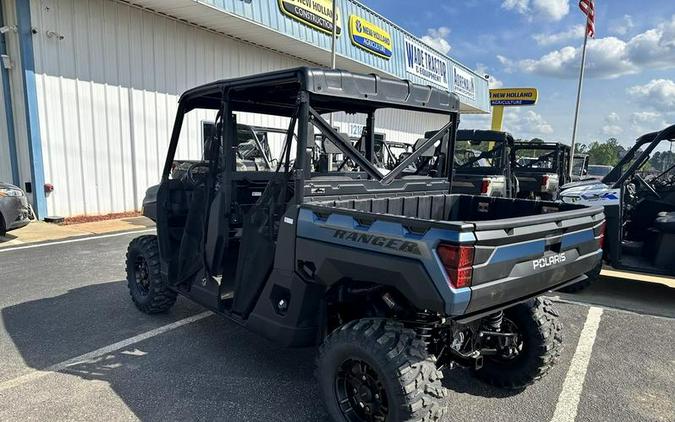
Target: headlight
<point>10,192</point>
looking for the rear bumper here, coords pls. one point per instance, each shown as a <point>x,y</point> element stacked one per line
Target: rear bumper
<point>514,289</point>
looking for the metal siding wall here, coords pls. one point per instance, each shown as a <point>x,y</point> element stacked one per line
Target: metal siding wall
<point>108,94</point>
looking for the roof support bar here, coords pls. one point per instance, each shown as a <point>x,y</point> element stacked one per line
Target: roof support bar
<point>344,145</point>
<point>416,154</point>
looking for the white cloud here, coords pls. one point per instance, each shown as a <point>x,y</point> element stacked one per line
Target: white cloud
<point>647,121</point>
<point>622,26</point>
<point>612,130</point>
<point>642,117</point>
<point>493,82</point>
<point>608,57</point>
<point>437,38</point>
<point>536,123</point>
<point>658,94</point>
<point>550,10</point>
<point>575,32</point>
<point>612,118</point>
<point>519,122</point>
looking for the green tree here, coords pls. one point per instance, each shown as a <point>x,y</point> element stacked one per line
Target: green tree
<point>606,153</point>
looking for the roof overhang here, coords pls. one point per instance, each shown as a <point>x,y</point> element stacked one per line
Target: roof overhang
<point>245,30</point>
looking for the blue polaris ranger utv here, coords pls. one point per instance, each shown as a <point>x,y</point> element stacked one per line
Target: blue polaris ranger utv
<point>393,278</point>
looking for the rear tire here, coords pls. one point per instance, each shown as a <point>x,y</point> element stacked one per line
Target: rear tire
<point>541,333</point>
<point>591,277</point>
<point>374,367</point>
<point>3,228</point>
<point>146,287</point>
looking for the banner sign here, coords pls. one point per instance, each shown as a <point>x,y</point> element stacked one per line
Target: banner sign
<point>464,83</point>
<point>425,63</point>
<point>316,13</point>
<point>513,96</point>
<point>369,37</point>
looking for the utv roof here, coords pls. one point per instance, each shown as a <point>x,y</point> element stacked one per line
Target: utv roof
<point>484,135</point>
<point>329,90</point>
<point>541,145</point>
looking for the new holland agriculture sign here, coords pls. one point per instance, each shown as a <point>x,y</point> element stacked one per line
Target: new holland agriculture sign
<point>316,13</point>
<point>369,37</point>
<point>427,64</point>
<point>513,96</point>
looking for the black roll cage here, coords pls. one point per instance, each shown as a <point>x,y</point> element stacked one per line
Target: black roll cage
<point>617,177</point>
<point>305,94</point>
<point>504,139</point>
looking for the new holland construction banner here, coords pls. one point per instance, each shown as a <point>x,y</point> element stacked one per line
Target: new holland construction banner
<point>316,13</point>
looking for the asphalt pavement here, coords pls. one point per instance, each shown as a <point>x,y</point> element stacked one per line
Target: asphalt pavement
<point>73,347</point>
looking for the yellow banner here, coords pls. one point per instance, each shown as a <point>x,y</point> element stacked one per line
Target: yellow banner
<point>370,37</point>
<point>513,96</point>
<point>316,13</point>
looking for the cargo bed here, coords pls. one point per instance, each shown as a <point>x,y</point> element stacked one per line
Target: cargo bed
<point>522,248</point>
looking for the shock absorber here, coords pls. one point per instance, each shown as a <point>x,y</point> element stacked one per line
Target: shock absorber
<point>494,321</point>
<point>424,328</point>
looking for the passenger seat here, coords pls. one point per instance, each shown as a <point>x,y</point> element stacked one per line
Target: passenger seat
<point>665,249</point>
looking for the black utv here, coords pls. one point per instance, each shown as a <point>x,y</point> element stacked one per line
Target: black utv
<point>392,277</point>
<point>482,164</point>
<point>541,168</point>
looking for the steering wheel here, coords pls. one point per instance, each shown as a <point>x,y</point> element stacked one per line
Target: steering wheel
<point>649,187</point>
<point>190,173</point>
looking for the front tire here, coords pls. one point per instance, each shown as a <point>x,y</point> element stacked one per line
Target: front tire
<point>378,370</point>
<point>146,287</point>
<point>540,335</point>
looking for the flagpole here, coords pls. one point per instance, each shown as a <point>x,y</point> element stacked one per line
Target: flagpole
<point>576,110</point>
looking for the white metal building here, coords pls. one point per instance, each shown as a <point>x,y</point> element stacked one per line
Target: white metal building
<point>90,87</point>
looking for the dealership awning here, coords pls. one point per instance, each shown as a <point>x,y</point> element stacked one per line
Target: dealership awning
<point>261,24</point>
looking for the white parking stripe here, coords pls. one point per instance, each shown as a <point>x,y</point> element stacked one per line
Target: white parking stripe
<point>568,401</point>
<point>34,375</point>
<point>79,239</point>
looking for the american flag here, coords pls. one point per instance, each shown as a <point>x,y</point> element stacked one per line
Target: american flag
<point>588,8</point>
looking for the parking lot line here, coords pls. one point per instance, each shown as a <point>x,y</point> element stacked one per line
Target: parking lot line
<point>568,401</point>
<point>79,239</point>
<point>36,374</point>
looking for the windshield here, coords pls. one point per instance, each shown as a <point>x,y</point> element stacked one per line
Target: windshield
<point>534,158</point>
<point>578,166</point>
<point>480,156</point>
<point>599,170</point>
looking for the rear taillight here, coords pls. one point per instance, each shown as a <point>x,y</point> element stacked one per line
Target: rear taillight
<point>458,263</point>
<point>601,240</point>
<point>544,182</point>
<point>485,186</point>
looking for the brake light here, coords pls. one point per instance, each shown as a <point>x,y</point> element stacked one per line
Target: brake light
<point>458,263</point>
<point>485,186</point>
<point>544,181</point>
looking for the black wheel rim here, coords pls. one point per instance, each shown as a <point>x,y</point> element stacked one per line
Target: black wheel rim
<point>512,352</point>
<point>360,392</point>
<point>142,276</point>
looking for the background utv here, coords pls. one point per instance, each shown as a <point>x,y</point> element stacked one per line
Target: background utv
<point>393,277</point>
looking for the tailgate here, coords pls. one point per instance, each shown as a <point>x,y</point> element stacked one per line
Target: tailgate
<point>520,257</point>
<point>467,184</point>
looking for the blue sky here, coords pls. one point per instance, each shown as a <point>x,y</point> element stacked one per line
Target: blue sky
<point>629,88</point>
